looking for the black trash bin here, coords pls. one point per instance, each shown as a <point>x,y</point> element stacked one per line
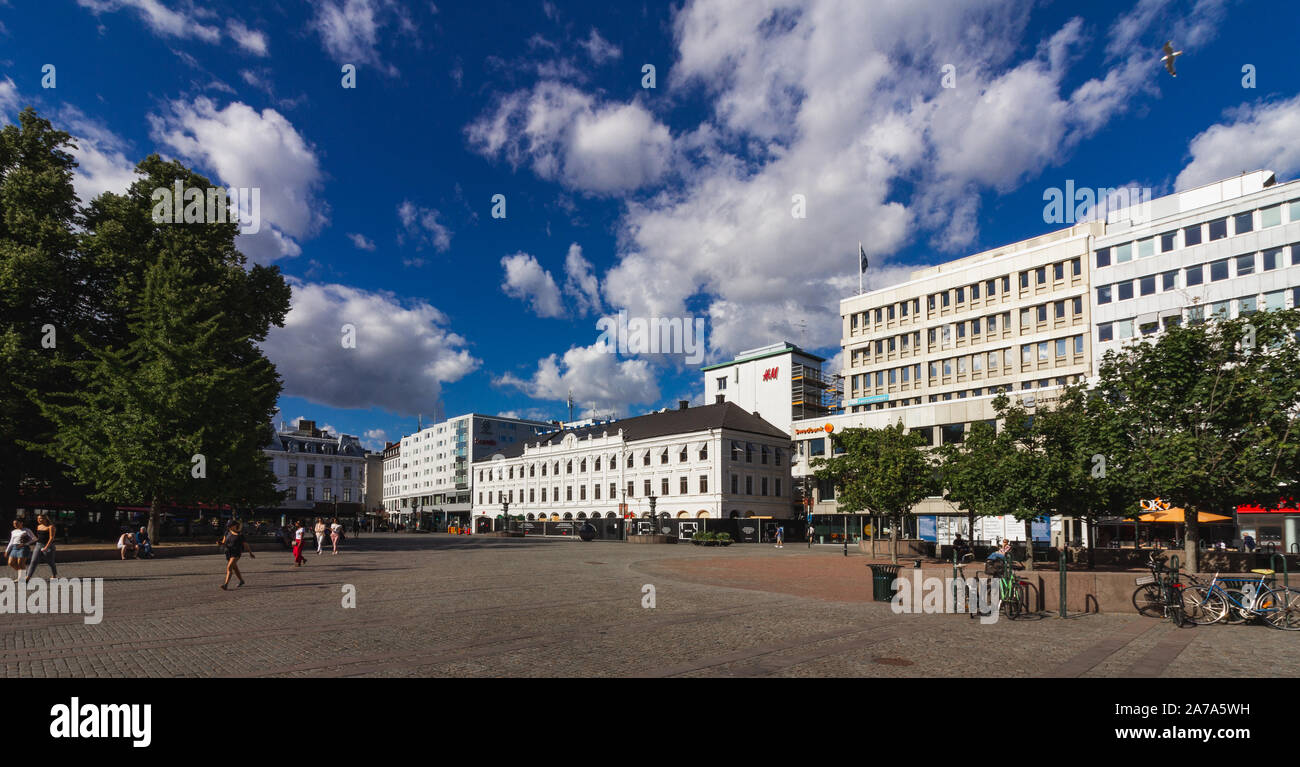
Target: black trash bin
<point>882,582</point>
<point>587,532</point>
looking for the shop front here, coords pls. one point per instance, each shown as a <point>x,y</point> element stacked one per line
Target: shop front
<point>1277,529</point>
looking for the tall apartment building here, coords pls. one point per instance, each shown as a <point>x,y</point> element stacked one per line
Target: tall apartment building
<point>1226,249</point>
<point>427,477</point>
<point>934,351</point>
<point>713,461</point>
<point>318,471</point>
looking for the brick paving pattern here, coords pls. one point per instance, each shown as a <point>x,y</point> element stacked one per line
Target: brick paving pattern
<point>436,605</point>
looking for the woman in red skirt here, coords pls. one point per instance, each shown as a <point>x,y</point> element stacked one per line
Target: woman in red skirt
<point>298,558</point>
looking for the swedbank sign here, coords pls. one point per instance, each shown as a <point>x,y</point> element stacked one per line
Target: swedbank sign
<point>828,428</point>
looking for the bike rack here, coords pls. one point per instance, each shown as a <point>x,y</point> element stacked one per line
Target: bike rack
<point>1286,577</point>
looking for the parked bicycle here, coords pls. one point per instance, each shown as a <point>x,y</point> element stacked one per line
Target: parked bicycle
<point>1013,591</point>
<point>1162,594</point>
<point>1237,600</point>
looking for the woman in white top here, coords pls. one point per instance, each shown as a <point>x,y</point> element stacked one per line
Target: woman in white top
<point>125,544</point>
<point>19,548</point>
<point>336,532</point>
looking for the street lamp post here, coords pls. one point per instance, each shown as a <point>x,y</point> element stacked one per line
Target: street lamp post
<point>505,515</point>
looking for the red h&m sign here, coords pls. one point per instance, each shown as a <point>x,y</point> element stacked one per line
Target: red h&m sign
<point>770,374</point>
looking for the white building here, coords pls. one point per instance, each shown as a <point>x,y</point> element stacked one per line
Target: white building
<point>1225,249</point>
<point>779,383</point>
<point>427,478</point>
<point>314,467</point>
<point>713,461</point>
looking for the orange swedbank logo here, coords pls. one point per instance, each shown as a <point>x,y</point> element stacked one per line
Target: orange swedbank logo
<point>828,428</point>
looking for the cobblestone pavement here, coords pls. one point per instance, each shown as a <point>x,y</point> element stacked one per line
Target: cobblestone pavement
<point>436,605</point>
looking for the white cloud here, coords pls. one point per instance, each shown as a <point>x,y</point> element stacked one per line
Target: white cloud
<point>165,22</point>
<point>374,439</point>
<point>250,40</point>
<point>839,101</point>
<point>350,30</point>
<point>1257,136</point>
<point>247,148</point>
<point>526,280</point>
<point>580,283</point>
<point>404,350</point>
<point>599,49</point>
<point>599,380</point>
<point>10,102</point>
<point>361,242</point>
<point>423,225</point>
<point>567,136</point>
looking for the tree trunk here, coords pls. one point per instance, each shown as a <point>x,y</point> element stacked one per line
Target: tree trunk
<point>1029,544</point>
<point>893,542</point>
<point>155,516</point>
<point>1191,535</point>
<point>1092,533</point>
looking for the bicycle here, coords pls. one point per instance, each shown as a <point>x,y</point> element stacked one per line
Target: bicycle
<point>1013,591</point>
<point>1161,595</point>
<point>1237,600</point>
<point>961,587</point>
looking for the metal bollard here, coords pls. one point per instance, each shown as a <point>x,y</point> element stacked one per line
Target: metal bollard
<point>1063,581</point>
<point>1286,578</point>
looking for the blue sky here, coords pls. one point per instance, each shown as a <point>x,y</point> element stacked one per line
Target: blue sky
<point>666,202</point>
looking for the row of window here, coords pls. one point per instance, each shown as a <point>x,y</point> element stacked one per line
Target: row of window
<point>961,296</point>
<point>1244,265</point>
<point>1246,306</point>
<point>552,495</point>
<point>295,493</point>
<point>509,472</point>
<point>1195,234</point>
<point>327,471</point>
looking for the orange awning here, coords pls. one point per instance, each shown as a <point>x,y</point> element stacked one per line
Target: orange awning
<point>1176,515</point>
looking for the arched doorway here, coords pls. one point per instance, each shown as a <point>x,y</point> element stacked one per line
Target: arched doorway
<point>531,517</point>
<point>568,516</point>
<point>582,515</point>
<point>701,514</point>
<point>734,515</point>
<point>749,514</point>
<point>683,514</point>
<point>610,515</point>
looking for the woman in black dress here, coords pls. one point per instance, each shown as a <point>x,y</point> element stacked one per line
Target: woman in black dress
<point>234,545</point>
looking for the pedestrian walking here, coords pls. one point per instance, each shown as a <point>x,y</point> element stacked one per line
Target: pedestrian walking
<point>19,548</point>
<point>298,558</point>
<point>43,553</point>
<point>780,536</point>
<point>336,532</point>
<point>320,536</point>
<point>234,544</point>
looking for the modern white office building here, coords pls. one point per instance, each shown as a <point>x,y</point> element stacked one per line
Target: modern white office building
<point>713,461</point>
<point>779,383</point>
<point>934,351</point>
<point>1226,249</point>
<point>318,471</point>
<point>427,478</point>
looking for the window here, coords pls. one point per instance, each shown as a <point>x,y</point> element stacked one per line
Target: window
<point>311,469</point>
<point>1076,266</point>
<point>347,472</point>
<point>930,301</point>
<point>1167,241</point>
<point>974,291</point>
<point>613,491</point>
<point>1041,311</point>
<point>1195,315</point>
<point>1192,236</point>
<point>953,433</point>
<point>944,299</point>
<point>1275,301</point>
<point>961,331</point>
<point>891,312</point>
<point>1271,257</point>
<point>1103,257</point>
<point>327,494</point>
<point>1024,280</point>
<point>763,486</point>
<point>1169,280</point>
<point>645,484</point>
<point>1146,248</point>
<point>977,363</point>
<point>1245,264</point>
<point>582,492</point>
<point>993,359</point>
<point>1060,310</point>
<point>1042,351</point>
<point>1077,308</point>
<point>645,459</point>
<point>1006,281</point>
<point>1026,354</point>
<point>975,327</point>
<point>311,492</point>
<point>595,491</point>
<point>663,457</point>
<point>991,288</point>
<point>1025,318</point>
<point>1218,229</point>
<point>631,485</point>
<point>1078,344</point>
<point>1247,306</point>
<point>293,468</point>
<point>1124,253</point>
<point>1105,332</point>
<point>704,452</point>
<point>1148,328</point>
<point>1243,222</point>
<point>1125,290</point>
<point>1058,271</point>
<point>778,487</point>
<point>1195,275</point>
<point>1103,294</point>
<point>1270,217</point>
<point>722,383</point>
<point>1125,328</point>
<point>961,295</point>
<point>749,485</point>
<point>1295,253</point>
<point>816,447</point>
<point>961,365</point>
<point>1219,270</point>
<point>1041,275</point>
<point>1060,347</point>
<point>1220,309</point>
<point>1147,285</point>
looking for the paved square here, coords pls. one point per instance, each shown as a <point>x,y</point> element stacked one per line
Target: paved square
<point>437,605</point>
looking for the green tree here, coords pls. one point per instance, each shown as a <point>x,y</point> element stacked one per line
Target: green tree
<point>1205,416</point>
<point>39,308</point>
<point>169,418</point>
<point>969,473</point>
<point>883,471</point>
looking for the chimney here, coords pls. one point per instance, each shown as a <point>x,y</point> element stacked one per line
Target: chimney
<point>682,404</point>
<point>719,399</point>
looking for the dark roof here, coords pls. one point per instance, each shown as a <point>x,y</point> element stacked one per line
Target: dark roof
<point>724,415</point>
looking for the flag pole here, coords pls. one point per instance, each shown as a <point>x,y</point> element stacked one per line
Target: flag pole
<point>860,267</point>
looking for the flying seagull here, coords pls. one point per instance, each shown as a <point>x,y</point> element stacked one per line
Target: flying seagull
<point>1170,55</point>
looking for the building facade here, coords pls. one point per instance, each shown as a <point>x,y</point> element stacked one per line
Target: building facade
<point>1226,249</point>
<point>713,461</point>
<point>780,383</point>
<point>318,471</point>
<point>427,478</point>
<point>933,353</point>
